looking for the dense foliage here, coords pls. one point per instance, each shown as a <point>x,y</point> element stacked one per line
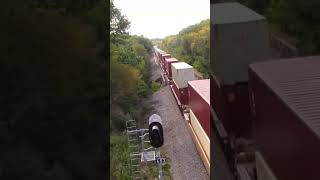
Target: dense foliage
<point>191,45</point>
<point>129,79</point>
<point>299,20</point>
<point>156,42</point>
<point>52,98</point>
<point>129,86</point>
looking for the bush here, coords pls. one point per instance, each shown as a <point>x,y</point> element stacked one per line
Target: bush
<point>155,86</point>
<point>143,89</point>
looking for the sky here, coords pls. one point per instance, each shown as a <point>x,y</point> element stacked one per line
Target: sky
<point>158,19</point>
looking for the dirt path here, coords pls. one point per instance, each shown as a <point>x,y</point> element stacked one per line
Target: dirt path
<point>185,160</point>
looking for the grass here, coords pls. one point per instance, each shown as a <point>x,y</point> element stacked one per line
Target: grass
<point>152,171</point>
<point>119,153</point>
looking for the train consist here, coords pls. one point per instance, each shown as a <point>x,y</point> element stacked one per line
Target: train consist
<point>266,113</point>
<point>193,98</point>
<point>263,113</point>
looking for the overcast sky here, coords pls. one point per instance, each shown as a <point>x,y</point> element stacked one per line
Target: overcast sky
<point>158,19</point>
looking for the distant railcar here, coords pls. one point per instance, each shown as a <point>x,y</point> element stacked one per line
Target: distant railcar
<point>158,53</point>
<point>164,57</point>
<point>167,65</point>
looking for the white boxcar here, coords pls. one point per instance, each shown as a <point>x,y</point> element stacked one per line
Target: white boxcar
<point>239,36</point>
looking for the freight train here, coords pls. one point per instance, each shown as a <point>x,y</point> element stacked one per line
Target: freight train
<point>265,111</point>
<point>262,113</point>
<point>192,95</point>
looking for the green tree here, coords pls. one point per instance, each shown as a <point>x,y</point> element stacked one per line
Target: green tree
<point>52,91</point>
<point>295,21</point>
<point>191,45</point>
<point>119,24</point>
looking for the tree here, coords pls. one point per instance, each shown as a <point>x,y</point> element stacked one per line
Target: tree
<point>191,45</point>
<point>119,24</point>
<point>299,20</point>
<point>52,90</point>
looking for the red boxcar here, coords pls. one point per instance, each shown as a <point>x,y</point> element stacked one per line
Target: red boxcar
<point>158,53</point>
<point>285,102</point>
<point>163,58</point>
<point>168,62</point>
<point>199,102</point>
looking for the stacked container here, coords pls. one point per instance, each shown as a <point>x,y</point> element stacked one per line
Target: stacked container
<point>159,53</point>
<point>163,61</point>
<point>239,37</point>
<point>285,99</point>
<point>199,104</point>
<point>168,62</point>
<point>181,74</point>
<point>161,56</point>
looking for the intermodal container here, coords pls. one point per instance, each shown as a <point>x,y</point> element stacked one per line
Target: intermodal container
<point>285,103</point>
<point>181,74</point>
<point>239,36</point>
<point>163,57</point>
<point>168,62</point>
<point>199,102</point>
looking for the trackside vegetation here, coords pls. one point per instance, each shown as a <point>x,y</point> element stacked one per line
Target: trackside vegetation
<point>191,45</point>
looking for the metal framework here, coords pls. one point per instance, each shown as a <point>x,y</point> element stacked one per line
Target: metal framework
<point>139,153</point>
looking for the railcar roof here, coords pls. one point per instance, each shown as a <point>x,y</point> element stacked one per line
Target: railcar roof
<point>296,82</point>
<point>202,87</point>
<point>224,13</point>
<point>171,59</point>
<point>181,65</point>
